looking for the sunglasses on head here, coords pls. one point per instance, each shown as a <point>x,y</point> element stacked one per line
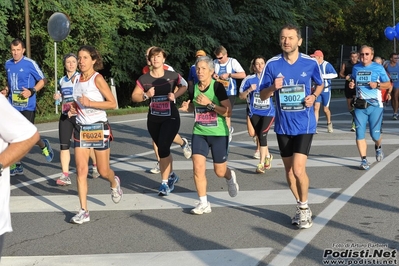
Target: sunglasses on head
<point>362,54</point>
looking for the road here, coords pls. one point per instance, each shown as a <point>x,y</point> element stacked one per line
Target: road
<point>355,212</point>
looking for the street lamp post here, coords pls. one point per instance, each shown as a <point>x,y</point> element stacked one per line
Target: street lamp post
<point>27,28</point>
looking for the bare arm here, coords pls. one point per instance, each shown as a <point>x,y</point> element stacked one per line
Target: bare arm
<point>15,151</point>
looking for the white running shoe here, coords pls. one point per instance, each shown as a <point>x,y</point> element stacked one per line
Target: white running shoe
<point>232,185</point>
<point>81,217</point>
<point>186,149</point>
<point>156,169</point>
<point>201,208</point>
<point>117,193</point>
<point>305,218</point>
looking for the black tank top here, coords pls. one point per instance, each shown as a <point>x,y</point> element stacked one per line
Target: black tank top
<point>349,67</point>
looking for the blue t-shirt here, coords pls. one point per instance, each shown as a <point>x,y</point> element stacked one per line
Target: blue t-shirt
<point>192,75</point>
<point>255,105</point>
<point>292,116</point>
<point>363,75</point>
<point>394,73</point>
<point>23,74</point>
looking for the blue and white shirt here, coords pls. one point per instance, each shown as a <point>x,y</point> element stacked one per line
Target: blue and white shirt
<point>23,74</point>
<point>255,105</point>
<point>365,74</point>
<point>292,116</point>
<point>231,66</point>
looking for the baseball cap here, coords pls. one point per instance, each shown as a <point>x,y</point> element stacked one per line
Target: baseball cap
<point>200,53</point>
<point>317,53</point>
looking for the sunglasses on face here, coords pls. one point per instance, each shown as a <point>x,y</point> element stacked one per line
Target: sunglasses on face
<point>219,58</point>
<point>363,54</point>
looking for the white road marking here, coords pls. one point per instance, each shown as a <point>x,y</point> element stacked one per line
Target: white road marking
<point>151,201</point>
<point>223,257</point>
<point>295,247</point>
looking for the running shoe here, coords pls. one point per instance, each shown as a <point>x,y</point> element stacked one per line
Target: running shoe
<point>305,218</point>
<point>201,208</point>
<point>260,169</point>
<point>268,162</point>
<point>81,217</point>
<point>255,139</point>
<point>172,180</point>
<point>395,117</point>
<point>364,165</point>
<point>379,155</point>
<point>156,169</point>
<point>186,149</point>
<point>353,128</point>
<point>117,193</point>
<point>16,169</point>
<point>257,154</point>
<point>330,128</point>
<point>295,219</point>
<point>94,172</point>
<point>47,151</point>
<point>233,187</point>
<point>231,130</point>
<point>163,190</point>
<point>63,180</point>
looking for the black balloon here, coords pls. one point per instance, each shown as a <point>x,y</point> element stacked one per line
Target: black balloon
<point>58,26</point>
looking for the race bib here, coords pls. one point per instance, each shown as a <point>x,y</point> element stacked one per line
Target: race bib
<point>394,76</point>
<point>92,136</point>
<point>292,97</point>
<point>206,118</point>
<point>363,78</point>
<point>259,104</point>
<point>160,106</point>
<point>18,99</point>
<point>66,104</point>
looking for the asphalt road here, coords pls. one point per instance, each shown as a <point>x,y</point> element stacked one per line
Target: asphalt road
<point>354,211</point>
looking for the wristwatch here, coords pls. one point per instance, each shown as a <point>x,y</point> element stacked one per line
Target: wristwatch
<point>211,107</point>
<point>1,168</point>
<point>378,85</point>
<point>145,97</point>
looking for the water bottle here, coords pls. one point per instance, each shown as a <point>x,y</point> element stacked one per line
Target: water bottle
<point>58,101</point>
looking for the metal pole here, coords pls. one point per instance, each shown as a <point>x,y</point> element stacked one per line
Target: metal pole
<point>393,16</point>
<point>55,74</point>
<point>27,29</point>
<point>306,40</point>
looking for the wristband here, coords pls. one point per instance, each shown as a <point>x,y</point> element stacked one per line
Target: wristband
<point>32,91</point>
<point>315,96</point>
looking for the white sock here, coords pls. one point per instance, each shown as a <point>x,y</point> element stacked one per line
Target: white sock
<point>164,181</point>
<point>303,205</point>
<point>204,199</point>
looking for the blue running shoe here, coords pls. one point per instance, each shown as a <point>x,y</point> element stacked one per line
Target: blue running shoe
<point>172,180</point>
<point>379,155</point>
<point>163,190</point>
<point>16,170</point>
<point>47,151</point>
<point>364,165</point>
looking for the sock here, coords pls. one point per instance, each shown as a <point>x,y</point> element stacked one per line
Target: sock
<point>204,199</point>
<point>268,156</point>
<point>364,158</point>
<point>377,147</point>
<point>65,174</point>
<point>94,165</point>
<point>164,181</point>
<point>303,205</point>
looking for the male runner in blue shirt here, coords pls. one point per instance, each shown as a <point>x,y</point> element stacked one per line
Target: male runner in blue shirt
<point>289,77</point>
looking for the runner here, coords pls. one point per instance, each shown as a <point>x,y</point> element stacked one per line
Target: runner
<point>92,97</point>
<point>289,77</point>
<point>25,79</point>
<point>163,122</point>
<point>261,113</point>
<point>211,105</point>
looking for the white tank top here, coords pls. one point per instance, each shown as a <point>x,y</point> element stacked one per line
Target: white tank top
<point>87,115</point>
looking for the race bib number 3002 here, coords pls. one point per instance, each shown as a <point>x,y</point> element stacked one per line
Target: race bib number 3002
<point>92,136</point>
<point>292,98</point>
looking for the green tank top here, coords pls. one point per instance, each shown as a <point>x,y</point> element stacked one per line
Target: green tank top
<point>208,123</point>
